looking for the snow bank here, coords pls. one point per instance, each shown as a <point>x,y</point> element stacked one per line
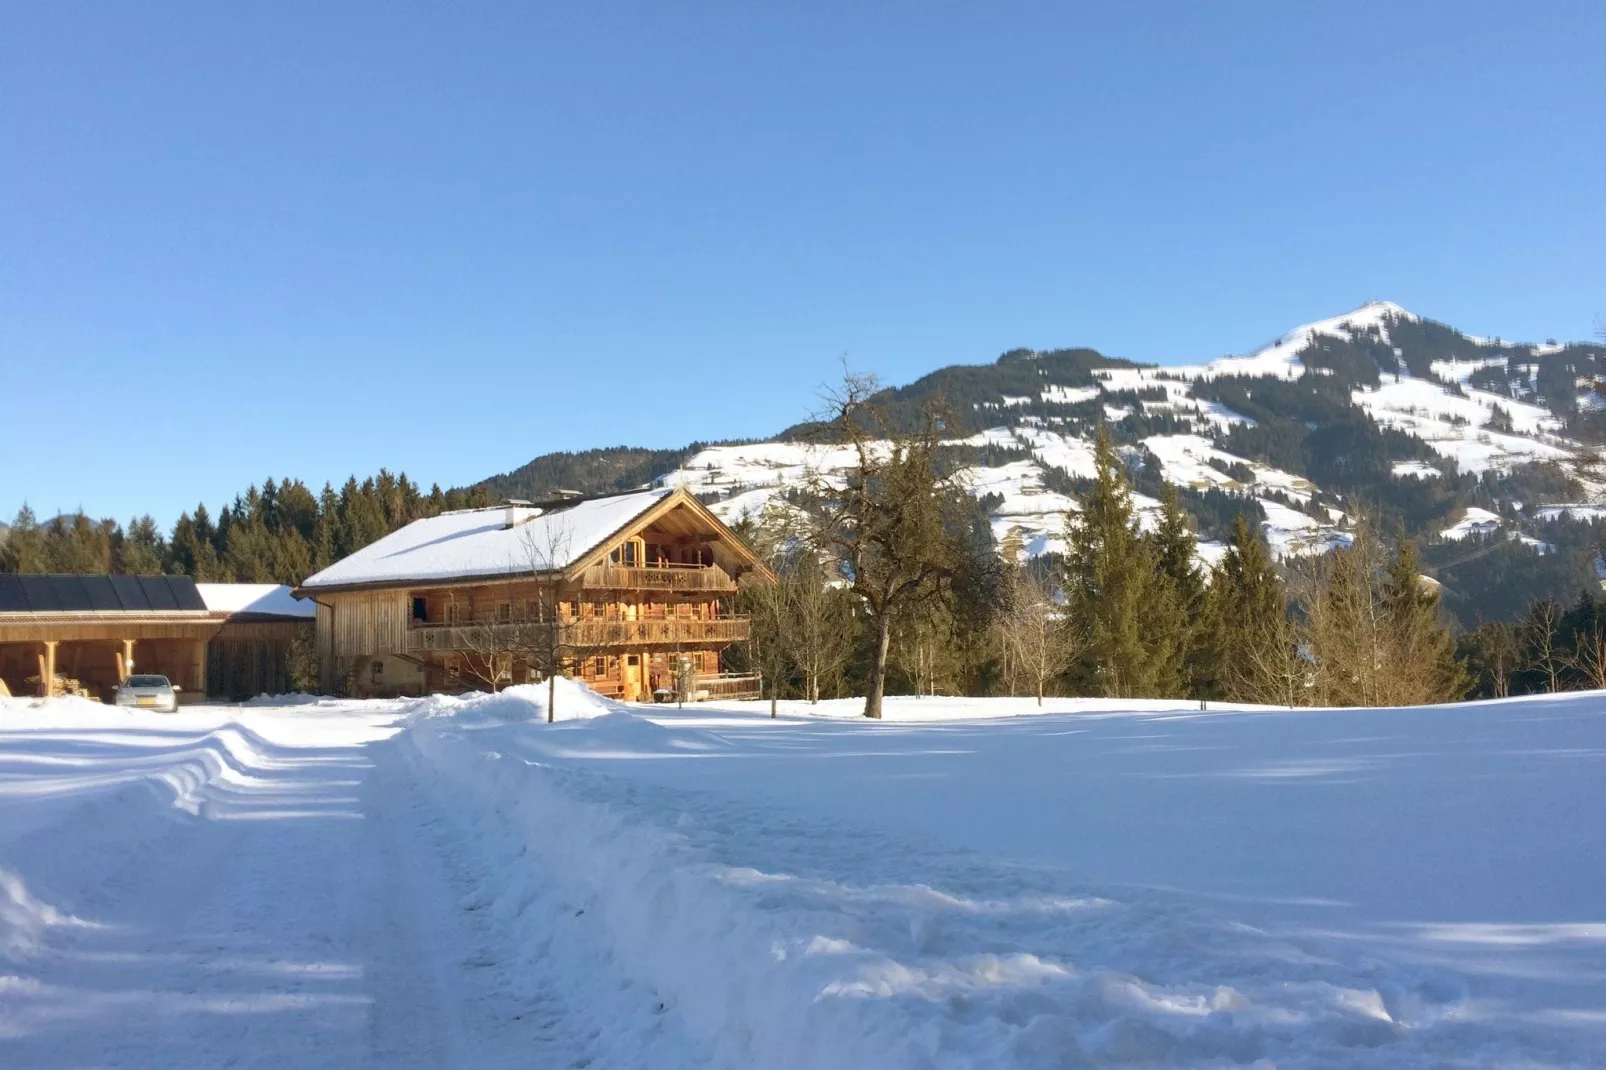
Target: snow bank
<point>807,894</point>
<point>521,702</point>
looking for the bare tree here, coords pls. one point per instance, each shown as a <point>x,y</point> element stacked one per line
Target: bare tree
<point>1274,667</point>
<point>1345,622</point>
<point>1588,655</point>
<point>811,614</point>
<point>540,634</point>
<point>1541,633</point>
<point>766,606</point>
<point>922,642</point>
<point>1038,644</point>
<point>886,519</point>
<point>486,647</point>
<point>1499,655</point>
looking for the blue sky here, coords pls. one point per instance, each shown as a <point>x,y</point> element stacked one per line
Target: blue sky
<point>240,241</point>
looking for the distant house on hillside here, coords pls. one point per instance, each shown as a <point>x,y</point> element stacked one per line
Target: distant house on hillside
<point>630,593</point>
<point>215,640</point>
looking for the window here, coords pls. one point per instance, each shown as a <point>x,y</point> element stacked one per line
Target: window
<point>420,609</point>
<point>599,667</point>
<point>376,671</point>
<point>453,668</point>
<point>451,613</point>
<point>504,611</point>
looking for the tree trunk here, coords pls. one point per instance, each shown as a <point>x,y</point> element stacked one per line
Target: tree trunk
<point>878,668</point>
<point>1039,692</point>
<point>551,697</point>
<point>775,694</point>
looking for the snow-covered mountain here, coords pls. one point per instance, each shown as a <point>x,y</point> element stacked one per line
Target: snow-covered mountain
<point>1455,439</point>
<point>1454,426</point>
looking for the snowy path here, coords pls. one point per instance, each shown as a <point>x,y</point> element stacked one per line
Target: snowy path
<point>200,895</point>
<point>455,883</point>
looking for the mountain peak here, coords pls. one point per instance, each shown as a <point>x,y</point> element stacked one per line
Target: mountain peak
<point>1280,358</point>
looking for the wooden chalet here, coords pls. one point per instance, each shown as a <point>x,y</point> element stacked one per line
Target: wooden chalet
<point>629,593</point>
<point>61,633</point>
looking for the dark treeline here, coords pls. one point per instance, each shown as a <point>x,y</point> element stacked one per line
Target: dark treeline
<point>280,533</point>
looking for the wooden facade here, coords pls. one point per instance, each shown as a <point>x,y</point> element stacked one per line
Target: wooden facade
<point>633,616</point>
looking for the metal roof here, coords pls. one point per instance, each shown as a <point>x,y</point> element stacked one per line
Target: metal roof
<point>99,594</point>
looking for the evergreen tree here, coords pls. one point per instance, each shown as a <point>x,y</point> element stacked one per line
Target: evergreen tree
<point>323,537</point>
<point>24,549</point>
<point>1251,653</point>
<point>1177,608</point>
<point>1108,584</point>
<point>1421,650</point>
<point>142,550</point>
<point>191,549</point>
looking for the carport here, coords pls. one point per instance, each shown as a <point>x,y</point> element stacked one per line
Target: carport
<point>99,629</point>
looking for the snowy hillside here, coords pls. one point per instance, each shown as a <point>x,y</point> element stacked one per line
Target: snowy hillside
<point>1178,431</point>
<point>453,882</point>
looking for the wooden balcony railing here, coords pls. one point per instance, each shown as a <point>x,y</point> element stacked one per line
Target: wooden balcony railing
<point>595,633</point>
<point>608,633</point>
<point>659,578</point>
<point>730,685</point>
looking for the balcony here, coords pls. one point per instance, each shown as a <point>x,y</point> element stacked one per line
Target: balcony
<point>595,633</point>
<point>709,578</point>
<point>669,631</point>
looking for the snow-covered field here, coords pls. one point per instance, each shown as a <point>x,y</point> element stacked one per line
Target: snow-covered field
<point>454,882</point>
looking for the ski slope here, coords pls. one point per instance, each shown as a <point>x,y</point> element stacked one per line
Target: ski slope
<point>973,882</point>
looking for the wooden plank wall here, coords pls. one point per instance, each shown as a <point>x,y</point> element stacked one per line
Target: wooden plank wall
<point>250,659</point>
<point>364,624</point>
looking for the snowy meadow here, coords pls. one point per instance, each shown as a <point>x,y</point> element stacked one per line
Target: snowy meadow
<point>971,882</point>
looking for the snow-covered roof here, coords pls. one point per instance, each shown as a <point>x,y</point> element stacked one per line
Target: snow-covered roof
<point>267,599</point>
<point>479,542</point>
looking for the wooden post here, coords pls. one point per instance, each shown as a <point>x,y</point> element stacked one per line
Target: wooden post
<point>47,669</point>
<point>198,670</point>
<point>126,666</point>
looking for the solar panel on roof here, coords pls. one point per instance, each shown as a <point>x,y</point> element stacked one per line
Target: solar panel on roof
<point>41,594</point>
<point>70,590</point>
<point>102,596</point>
<point>185,594</point>
<point>130,595</point>
<point>157,591</point>
<point>99,594</point>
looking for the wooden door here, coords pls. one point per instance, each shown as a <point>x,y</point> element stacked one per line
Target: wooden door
<point>630,674</point>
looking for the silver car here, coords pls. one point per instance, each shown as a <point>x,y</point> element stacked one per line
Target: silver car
<point>149,693</point>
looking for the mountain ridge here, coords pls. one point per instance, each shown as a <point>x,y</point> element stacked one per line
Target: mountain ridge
<point>1376,408</point>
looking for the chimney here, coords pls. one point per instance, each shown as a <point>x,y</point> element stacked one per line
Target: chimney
<point>516,511</point>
